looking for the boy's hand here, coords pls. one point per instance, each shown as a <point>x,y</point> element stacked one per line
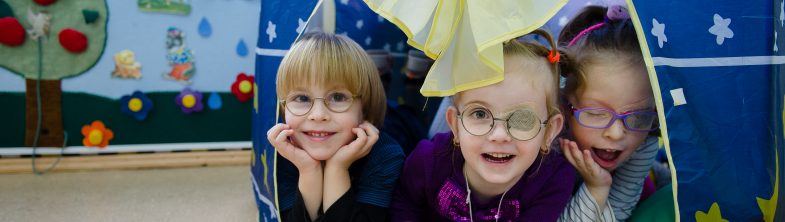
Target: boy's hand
<point>367,135</point>
<point>592,173</point>
<point>278,138</point>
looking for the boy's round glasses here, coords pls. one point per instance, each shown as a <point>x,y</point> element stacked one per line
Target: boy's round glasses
<point>602,118</point>
<point>300,104</point>
<point>522,124</point>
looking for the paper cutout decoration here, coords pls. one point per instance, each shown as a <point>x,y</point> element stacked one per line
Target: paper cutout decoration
<point>243,87</point>
<point>214,101</point>
<point>72,40</point>
<point>204,27</point>
<point>242,49</point>
<point>5,10</point>
<point>166,6</point>
<point>44,2</point>
<point>89,16</point>
<point>464,37</point>
<point>11,32</point>
<point>179,56</point>
<point>40,24</point>
<point>136,104</point>
<point>126,66</point>
<point>678,97</point>
<point>189,101</point>
<point>96,135</point>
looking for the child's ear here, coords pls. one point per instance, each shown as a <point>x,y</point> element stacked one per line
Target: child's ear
<point>555,124</point>
<point>452,119</point>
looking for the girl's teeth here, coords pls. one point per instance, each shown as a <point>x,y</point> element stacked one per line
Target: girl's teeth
<point>317,134</point>
<point>610,151</point>
<point>498,155</point>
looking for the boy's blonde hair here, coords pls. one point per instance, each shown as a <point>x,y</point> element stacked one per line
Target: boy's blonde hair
<point>550,82</point>
<point>330,60</point>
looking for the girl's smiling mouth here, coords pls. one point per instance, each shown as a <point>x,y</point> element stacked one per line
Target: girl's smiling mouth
<point>497,157</point>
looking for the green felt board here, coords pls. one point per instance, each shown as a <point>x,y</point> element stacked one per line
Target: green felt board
<point>165,123</point>
<point>57,62</point>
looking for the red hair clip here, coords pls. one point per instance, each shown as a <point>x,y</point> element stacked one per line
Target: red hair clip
<point>554,57</point>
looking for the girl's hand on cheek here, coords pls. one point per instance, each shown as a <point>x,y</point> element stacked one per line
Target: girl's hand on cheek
<point>367,135</point>
<point>594,175</point>
<point>278,138</point>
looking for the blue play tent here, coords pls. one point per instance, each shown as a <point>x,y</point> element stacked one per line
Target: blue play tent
<point>716,65</point>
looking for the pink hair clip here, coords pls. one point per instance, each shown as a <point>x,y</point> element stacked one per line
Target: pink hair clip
<point>615,12</point>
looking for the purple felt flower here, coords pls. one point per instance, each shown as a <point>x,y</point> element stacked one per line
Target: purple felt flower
<point>136,104</point>
<point>189,100</point>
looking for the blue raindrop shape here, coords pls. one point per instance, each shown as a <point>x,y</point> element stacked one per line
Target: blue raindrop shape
<point>204,27</point>
<point>214,102</point>
<point>242,50</point>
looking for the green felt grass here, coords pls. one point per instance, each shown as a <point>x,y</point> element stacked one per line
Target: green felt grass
<point>165,123</point>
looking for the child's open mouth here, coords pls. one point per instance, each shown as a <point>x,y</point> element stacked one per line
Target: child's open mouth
<point>318,136</point>
<point>497,157</point>
<point>607,155</point>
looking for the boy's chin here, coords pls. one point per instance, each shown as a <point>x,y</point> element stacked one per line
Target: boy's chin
<point>321,153</point>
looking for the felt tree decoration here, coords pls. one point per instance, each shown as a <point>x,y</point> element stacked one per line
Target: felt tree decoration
<point>243,87</point>
<point>5,10</point>
<point>57,62</point>
<point>44,2</point>
<point>96,135</point>
<point>136,104</point>
<point>72,40</point>
<point>90,16</point>
<point>189,101</point>
<point>11,32</point>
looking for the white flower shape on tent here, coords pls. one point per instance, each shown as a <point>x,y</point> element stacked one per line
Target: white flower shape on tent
<point>721,29</point>
<point>271,30</point>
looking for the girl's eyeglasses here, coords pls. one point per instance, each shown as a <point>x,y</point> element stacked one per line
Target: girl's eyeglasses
<point>300,104</point>
<point>521,124</point>
<point>602,118</point>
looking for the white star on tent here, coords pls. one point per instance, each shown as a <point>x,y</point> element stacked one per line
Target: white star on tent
<point>775,42</point>
<point>399,46</point>
<point>368,40</point>
<point>300,26</point>
<point>345,2</point>
<point>359,24</point>
<point>381,19</point>
<point>659,31</point>
<point>563,21</point>
<point>271,30</point>
<point>386,47</point>
<point>344,34</point>
<point>721,29</point>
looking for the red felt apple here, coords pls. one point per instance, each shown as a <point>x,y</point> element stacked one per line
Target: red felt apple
<point>11,32</point>
<point>44,2</point>
<point>72,40</point>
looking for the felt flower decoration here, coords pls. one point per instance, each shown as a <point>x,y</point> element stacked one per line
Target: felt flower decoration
<point>136,104</point>
<point>189,100</point>
<point>96,135</point>
<point>243,87</point>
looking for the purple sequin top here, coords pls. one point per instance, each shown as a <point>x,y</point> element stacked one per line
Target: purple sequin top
<point>432,188</point>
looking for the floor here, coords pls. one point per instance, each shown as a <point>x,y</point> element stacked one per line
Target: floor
<point>183,194</point>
